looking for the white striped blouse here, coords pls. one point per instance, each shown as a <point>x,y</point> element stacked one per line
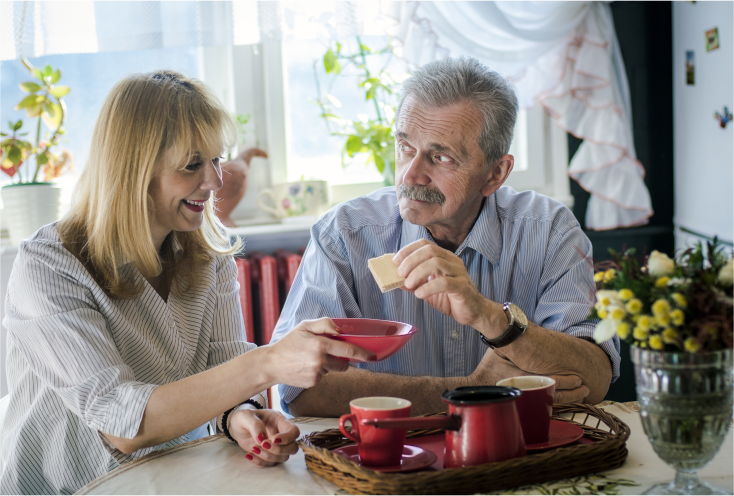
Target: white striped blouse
<point>524,247</point>
<point>80,363</point>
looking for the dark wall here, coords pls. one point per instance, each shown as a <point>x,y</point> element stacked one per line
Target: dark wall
<point>644,31</point>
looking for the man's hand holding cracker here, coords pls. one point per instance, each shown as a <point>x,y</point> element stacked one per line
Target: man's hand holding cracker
<point>439,278</point>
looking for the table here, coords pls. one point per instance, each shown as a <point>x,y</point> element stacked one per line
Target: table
<point>215,465</point>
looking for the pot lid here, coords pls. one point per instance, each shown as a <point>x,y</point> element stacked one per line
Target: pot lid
<point>474,395</point>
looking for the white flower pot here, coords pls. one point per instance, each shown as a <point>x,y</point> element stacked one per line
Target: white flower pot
<point>29,207</point>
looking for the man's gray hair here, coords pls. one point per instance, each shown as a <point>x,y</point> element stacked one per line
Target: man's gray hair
<point>450,81</point>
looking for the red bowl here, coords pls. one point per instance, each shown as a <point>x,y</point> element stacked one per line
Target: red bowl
<point>381,337</point>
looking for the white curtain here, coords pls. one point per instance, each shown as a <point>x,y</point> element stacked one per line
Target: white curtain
<point>563,55</point>
<point>33,29</point>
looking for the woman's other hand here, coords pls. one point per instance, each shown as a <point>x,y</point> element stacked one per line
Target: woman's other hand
<point>305,354</point>
<point>267,436</point>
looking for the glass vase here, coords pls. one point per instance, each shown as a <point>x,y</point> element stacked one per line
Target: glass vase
<point>686,408</point>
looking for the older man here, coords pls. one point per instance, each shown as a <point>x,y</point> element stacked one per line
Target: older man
<point>497,282</point>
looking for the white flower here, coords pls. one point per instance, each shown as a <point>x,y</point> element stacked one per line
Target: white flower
<point>605,330</point>
<point>726,274</point>
<point>607,297</point>
<point>659,264</point>
<point>679,281</point>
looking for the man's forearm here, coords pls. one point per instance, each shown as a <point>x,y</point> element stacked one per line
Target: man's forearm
<point>546,352</point>
<point>331,397</point>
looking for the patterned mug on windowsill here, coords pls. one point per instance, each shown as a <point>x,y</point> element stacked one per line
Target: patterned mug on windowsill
<point>296,198</point>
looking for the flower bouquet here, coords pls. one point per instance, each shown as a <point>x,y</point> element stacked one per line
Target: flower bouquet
<point>677,315</point>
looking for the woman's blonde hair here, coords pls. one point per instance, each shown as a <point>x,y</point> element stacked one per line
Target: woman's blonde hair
<point>143,117</point>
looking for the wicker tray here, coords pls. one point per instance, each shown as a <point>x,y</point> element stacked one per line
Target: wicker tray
<point>608,452</point>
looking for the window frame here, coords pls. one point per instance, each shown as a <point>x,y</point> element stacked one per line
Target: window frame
<point>249,79</point>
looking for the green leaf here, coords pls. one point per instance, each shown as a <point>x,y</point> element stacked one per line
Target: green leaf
<point>14,155</point>
<point>338,47</point>
<point>34,110</point>
<point>42,158</point>
<point>61,91</point>
<point>329,61</point>
<point>37,74</point>
<point>17,125</point>
<point>365,48</point>
<point>354,145</point>
<point>48,71</point>
<point>30,87</point>
<point>370,93</point>
<point>3,134</point>
<point>379,162</point>
<point>52,117</point>
<point>26,102</point>
<point>56,76</point>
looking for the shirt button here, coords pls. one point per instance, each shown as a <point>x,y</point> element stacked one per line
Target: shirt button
<point>454,334</point>
<point>171,323</point>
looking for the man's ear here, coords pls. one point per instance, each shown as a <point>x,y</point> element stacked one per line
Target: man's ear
<point>498,174</point>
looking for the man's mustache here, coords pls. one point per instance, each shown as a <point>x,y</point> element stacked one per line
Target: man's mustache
<point>421,193</point>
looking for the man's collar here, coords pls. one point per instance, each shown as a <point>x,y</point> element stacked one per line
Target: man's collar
<point>483,238</point>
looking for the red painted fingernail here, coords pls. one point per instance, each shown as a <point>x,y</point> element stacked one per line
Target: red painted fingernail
<point>266,445</point>
<point>261,437</point>
<point>256,450</point>
<point>249,456</point>
<point>277,440</point>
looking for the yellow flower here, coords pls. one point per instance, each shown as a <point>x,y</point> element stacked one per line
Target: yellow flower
<point>609,275</point>
<point>692,345</point>
<point>656,342</point>
<point>640,334</point>
<point>670,336</point>
<point>598,277</point>
<point>662,282</point>
<point>662,320</point>
<point>642,344</point>
<point>623,330</point>
<point>679,300</point>
<point>617,313</point>
<point>660,307</point>
<point>634,306</point>
<point>644,322</point>
<point>626,294</point>
<point>677,317</point>
<point>602,313</point>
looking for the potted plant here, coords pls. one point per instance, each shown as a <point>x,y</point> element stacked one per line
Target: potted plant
<point>677,315</point>
<point>32,200</point>
<point>370,135</point>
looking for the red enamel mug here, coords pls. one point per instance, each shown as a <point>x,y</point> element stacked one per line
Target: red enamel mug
<point>482,425</point>
<point>376,447</point>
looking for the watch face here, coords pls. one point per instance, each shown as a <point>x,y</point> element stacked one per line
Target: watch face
<point>519,314</point>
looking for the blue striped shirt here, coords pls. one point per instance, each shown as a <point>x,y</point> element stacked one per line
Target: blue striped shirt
<point>524,247</point>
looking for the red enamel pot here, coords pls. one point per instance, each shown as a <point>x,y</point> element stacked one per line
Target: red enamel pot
<point>482,425</point>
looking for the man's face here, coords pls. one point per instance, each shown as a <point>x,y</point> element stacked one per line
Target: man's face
<point>440,169</point>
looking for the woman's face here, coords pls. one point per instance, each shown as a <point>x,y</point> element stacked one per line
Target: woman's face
<point>179,194</point>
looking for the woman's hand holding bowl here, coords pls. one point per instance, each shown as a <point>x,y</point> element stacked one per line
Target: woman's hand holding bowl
<point>304,355</point>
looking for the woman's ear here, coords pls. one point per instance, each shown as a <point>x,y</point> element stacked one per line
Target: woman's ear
<point>498,174</point>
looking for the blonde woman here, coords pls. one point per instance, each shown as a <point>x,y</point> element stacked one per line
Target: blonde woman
<point>125,332</point>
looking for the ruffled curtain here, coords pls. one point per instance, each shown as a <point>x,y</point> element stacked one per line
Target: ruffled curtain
<point>33,29</point>
<point>563,55</point>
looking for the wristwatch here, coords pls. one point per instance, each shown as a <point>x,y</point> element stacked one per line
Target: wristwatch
<point>517,324</point>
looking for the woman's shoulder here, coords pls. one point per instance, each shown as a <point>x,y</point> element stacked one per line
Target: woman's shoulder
<point>44,252</point>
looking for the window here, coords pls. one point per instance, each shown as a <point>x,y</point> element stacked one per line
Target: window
<point>90,77</point>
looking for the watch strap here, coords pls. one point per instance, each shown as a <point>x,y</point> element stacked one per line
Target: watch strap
<point>514,330</point>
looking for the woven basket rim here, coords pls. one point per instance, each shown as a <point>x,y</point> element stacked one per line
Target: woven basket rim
<point>609,451</point>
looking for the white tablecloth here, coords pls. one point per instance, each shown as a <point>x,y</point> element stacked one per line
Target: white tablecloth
<point>215,465</point>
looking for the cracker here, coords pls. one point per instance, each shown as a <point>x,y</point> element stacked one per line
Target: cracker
<point>385,272</point>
